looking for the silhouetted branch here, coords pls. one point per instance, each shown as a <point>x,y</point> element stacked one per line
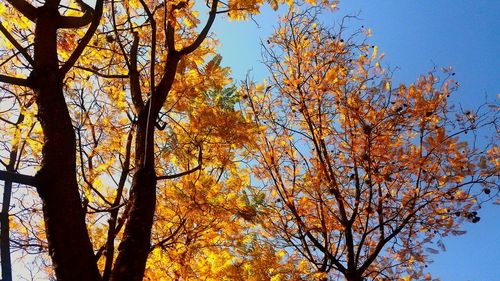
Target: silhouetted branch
<point>17,178</point>
<point>200,160</point>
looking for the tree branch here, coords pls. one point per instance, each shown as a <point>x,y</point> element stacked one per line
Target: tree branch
<point>103,75</point>
<point>135,83</point>
<point>17,178</point>
<point>85,39</point>
<point>152,21</point>
<point>15,80</point>
<point>16,44</point>
<point>203,34</point>
<point>170,237</point>
<point>77,22</point>
<point>198,167</point>
<point>24,8</point>
<point>170,36</point>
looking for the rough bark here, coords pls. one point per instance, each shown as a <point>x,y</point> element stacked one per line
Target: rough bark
<point>69,244</point>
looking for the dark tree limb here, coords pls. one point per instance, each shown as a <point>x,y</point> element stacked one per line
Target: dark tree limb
<point>162,242</point>
<point>103,75</point>
<point>78,22</point>
<point>16,44</point>
<point>135,83</point>
<point>174,176</point>
<point>15,80</point>
<point>24,8</point>
<point>7,194</point>
<point>17,178</point>
<point>111,235</point>
<point>204,32</point>
<point>5,233</point>
<point>97,14</point>
<point>75,22</point>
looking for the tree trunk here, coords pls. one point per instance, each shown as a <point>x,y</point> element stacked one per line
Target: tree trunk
<point>4,216</point>
<point>354,277</point>
<point>4,232</point>
<point>69,244</point>
<point>135,245</point>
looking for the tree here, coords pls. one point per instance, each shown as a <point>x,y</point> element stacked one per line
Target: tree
<point>68,241</point>
<point>165,112</point>
<point>364,176</point>
<point>14,149</point>
<point>20,139</point>
<point>138,144</point>
<point>150,42</point>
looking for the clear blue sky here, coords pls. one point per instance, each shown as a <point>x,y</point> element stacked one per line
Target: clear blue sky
<point>415,36</point>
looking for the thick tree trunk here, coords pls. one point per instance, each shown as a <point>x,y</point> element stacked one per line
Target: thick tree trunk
<point>135,245</point>
<point>69,244</point>
<point>354,277</point>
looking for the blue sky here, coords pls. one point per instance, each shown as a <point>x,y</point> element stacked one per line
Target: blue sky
<point>415,36</point>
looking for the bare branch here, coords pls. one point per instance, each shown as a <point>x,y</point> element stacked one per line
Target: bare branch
<point>15,80</point>
<point>17,178</point>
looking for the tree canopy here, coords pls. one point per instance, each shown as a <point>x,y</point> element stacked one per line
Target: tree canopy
<point>150,163</point>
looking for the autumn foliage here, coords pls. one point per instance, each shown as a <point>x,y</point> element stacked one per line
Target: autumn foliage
<point>363,175</point>
<point>151,163</point>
